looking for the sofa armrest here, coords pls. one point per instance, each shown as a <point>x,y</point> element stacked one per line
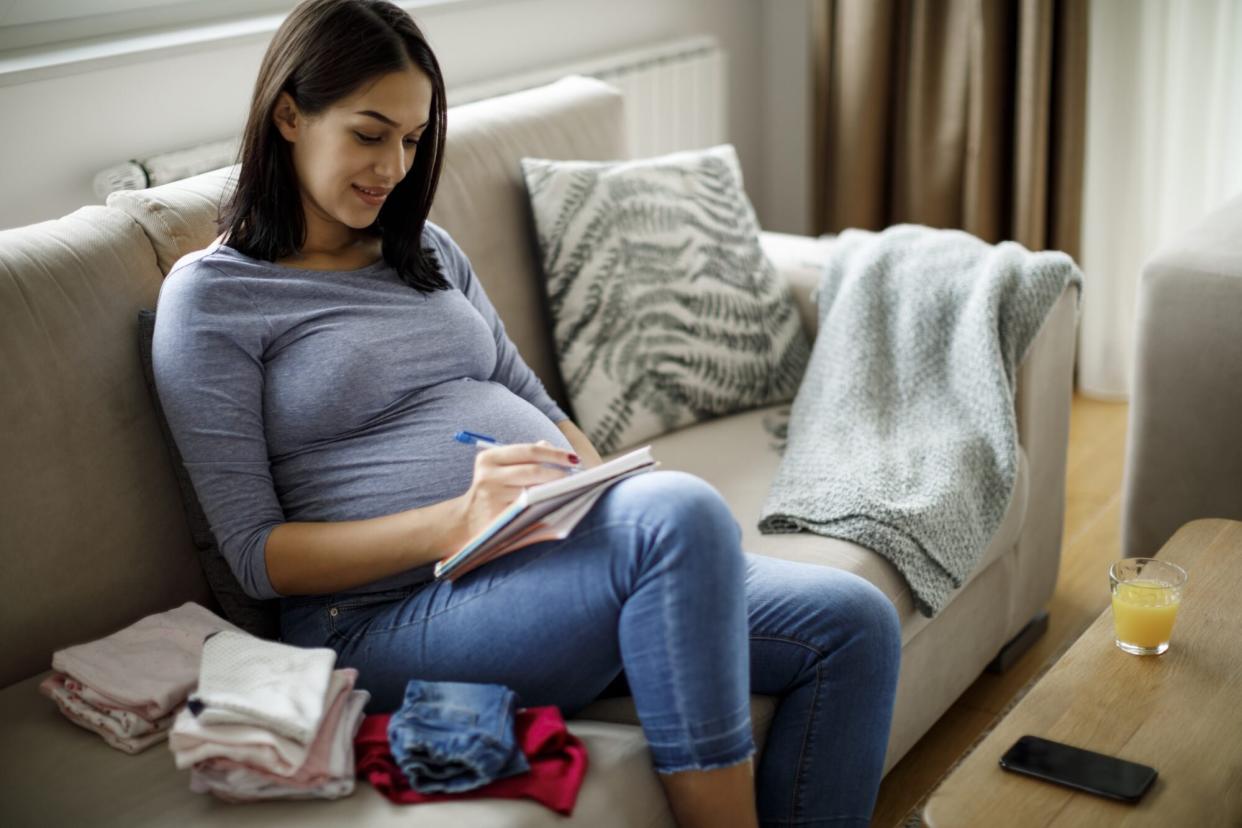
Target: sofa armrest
<point>1041,407</point>
<point>1042,402</point>
<point>799,260</point>
<point>1184,441</point>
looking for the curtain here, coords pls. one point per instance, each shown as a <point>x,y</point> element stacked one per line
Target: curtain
<point>1164,147</point>
<point>952,113</point>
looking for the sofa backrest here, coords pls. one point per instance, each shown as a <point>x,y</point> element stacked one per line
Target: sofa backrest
<point>482,199</point>
<point>92,532</point>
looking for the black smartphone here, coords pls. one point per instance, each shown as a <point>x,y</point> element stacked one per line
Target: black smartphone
<point>1084,770</point>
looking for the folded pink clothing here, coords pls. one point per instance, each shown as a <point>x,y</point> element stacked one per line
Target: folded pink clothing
<point>128,716</point>
<point>331,749</point>
<point>122,730</point>
<point>119,721</point>
<point>149,667</point>
<point>327,774</point>
<point>192,741</point>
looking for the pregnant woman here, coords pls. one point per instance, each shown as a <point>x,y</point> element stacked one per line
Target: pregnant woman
<point>314,363</point>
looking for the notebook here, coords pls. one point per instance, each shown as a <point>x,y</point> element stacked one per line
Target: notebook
<point>548,511</point>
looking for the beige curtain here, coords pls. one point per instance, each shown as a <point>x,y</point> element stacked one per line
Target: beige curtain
<point>952,113</point>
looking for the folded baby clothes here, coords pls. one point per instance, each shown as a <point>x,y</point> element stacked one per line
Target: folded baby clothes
<point>149,666</point>
<point>557,760</point>
<point>126,686</point>
<point>131,719</point>
<point>451,736</point>
<point>192,740</point>
<point>246,680</point>
<point>122,729</point>
<point>328,772</point>
<point>120,720</point>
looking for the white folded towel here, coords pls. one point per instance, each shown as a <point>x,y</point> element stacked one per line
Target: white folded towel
<point>249,681</point>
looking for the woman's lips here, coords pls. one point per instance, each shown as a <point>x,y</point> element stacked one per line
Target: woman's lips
<point>374,201</point>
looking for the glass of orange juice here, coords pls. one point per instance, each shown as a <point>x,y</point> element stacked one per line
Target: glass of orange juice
<point>1146,595</point>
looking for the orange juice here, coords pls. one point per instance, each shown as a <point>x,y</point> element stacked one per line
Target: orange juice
<point>1143,612</point>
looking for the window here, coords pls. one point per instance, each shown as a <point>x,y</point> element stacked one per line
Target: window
<point>30,24</point>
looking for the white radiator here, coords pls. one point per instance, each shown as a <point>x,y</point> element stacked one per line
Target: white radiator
<point>674,100</point>
<point>674,93</point>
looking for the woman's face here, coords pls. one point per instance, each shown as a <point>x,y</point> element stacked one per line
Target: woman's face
<point>366,140</point>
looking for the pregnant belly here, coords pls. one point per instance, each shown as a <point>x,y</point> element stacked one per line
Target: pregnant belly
<point>486,408</point>
<point>411,459</point>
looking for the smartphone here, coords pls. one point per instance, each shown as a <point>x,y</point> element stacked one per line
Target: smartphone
<point>1084,770</point>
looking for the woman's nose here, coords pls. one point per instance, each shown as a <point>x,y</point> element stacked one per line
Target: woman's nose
<point>393,164</point>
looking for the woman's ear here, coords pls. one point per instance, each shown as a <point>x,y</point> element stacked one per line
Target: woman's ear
<point>286,117</point>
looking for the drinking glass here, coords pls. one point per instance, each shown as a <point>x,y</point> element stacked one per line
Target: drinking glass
<point>1146,595</point>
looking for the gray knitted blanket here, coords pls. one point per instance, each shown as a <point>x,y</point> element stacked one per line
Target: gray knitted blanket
<point>902,437</point>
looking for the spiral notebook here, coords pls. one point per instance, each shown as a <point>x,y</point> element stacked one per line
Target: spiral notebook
<point>548,511</point>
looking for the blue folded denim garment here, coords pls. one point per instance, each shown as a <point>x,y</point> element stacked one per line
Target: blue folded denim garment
<point>449,736</point>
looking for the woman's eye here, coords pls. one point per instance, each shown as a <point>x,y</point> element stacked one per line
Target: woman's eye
<point>371,139</point>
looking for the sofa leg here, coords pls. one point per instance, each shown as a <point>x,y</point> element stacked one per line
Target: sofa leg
<point>1020,643</point>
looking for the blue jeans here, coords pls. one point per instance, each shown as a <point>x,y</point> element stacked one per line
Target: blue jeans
<point>653,581</point>
<point>454,736</point>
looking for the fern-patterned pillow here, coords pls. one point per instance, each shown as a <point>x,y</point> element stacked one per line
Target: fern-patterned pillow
<point>665,309</point>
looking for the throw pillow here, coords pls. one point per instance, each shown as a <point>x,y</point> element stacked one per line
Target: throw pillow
<point>665,310</point>
<point>261,618</point>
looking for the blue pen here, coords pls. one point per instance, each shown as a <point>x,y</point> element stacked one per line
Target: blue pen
<point>473,438</point>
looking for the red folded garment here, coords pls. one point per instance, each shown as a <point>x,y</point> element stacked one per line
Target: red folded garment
<point>557,758</point>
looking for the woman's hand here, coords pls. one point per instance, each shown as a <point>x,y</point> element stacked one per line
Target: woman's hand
<point>501,473</point>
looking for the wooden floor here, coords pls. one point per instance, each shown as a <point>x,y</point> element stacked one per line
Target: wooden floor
<point>1091,540</point>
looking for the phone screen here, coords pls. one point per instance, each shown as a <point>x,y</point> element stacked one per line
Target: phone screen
<point>1082,769</point>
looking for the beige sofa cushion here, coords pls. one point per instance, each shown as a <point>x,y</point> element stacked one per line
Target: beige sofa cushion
<point>180,216</point>
<point>800,261</point>
<point>91,526</point>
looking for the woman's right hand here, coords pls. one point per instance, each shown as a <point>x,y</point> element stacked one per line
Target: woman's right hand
<point>500,475</point>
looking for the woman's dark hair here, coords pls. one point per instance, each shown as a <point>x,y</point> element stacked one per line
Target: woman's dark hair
<point>324,51</point>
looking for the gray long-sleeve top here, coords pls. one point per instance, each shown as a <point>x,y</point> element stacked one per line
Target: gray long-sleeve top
<point>315,395</point>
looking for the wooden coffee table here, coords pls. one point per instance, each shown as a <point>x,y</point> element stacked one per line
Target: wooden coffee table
<point>1180,712</point>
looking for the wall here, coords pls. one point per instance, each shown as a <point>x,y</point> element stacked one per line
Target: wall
<point>58,132</point>
<point>787,128</point>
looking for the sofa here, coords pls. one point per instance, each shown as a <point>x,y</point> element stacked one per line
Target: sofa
<point>94,534</point>
<point>1184,441</point>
